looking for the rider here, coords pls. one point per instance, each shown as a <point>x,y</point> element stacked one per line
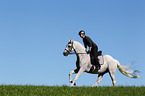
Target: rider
<point>93,48</point>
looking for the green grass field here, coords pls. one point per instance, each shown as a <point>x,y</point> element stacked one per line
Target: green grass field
<point>18,90</point>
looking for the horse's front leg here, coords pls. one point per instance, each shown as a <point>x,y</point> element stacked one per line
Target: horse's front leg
<point>72,72</point>
<point>77,76</point>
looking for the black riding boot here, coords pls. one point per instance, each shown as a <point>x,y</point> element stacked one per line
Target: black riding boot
<point>97,64</point>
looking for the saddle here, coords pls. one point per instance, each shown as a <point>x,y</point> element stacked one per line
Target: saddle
<point>99,53</point>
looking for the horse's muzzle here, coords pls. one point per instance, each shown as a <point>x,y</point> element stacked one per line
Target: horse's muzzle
<point>65,53</point>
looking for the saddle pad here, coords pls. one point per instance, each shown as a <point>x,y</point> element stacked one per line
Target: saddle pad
<point>101,61</point>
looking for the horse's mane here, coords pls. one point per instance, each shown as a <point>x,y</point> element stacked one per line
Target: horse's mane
<point>79,46</point>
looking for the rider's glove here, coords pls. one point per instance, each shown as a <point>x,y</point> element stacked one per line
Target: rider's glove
<point>89,52</point>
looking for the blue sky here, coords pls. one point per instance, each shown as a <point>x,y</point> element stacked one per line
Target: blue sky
<point>34,34</point>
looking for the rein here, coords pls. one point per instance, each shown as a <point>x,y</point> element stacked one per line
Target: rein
<point>76,53</point>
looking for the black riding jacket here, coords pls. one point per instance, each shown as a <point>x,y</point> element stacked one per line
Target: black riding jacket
<point>88,42</point>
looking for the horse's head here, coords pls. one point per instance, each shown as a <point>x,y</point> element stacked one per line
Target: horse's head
<point>69,48</point>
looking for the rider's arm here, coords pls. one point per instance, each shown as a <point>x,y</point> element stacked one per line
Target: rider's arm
<point>90,49</point>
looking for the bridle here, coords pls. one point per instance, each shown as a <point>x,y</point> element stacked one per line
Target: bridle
<point>70,49</point>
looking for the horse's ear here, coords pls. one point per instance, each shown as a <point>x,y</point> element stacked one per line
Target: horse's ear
<point>69,40</point>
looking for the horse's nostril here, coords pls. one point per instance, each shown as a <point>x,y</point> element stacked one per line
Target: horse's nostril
<point>65,54</point>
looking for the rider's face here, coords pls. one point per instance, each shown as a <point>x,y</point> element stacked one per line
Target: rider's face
<point>82,35</point>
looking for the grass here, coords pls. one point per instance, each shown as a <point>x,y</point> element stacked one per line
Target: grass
<point>18,90</point>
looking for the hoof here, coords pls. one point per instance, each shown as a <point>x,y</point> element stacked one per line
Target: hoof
<point>75,84</point>
<point>72,82</point>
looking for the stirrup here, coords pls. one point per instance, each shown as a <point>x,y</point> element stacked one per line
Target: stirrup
<point>92,68</point>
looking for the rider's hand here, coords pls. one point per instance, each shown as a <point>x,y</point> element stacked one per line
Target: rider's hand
<point>88,52</point>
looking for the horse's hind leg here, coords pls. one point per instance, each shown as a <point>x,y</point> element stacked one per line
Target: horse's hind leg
<point>98,80</point>
<point>112,75</point>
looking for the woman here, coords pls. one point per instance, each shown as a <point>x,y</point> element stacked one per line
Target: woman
<point>93,48</point>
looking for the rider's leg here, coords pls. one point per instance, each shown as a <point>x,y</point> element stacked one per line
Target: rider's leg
<point>92,58</point>
<point>95,55</point>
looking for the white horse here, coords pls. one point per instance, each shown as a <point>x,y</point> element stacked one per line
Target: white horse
<point>83,64</point>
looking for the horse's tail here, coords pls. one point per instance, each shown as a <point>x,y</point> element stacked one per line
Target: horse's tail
<point>127,71</point>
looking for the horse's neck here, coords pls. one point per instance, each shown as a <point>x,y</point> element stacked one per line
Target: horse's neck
<point>82,56</point>
<point>79,48</point>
